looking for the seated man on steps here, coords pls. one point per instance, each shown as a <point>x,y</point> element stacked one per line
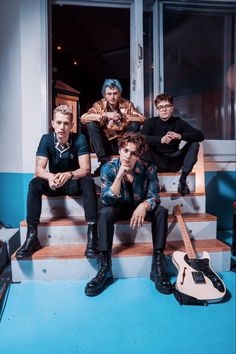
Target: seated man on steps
<point>109,118</point>
<point>163,135</point>
<point>67,155</point>
<point>130,192</point>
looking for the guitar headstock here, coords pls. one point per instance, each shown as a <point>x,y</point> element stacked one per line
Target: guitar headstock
<point>177,210</point>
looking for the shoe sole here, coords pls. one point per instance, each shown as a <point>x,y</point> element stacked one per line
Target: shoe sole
<point>24,257</point>
<point>166,292</point>
<point>108,282</point>
<point>91,256</point>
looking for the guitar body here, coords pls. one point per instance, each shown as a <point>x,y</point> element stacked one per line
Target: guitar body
<point>196,278</point>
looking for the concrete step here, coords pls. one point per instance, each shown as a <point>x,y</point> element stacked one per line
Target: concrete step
<point>12,238</point>
<point>68,262</point>
<point>168,181</point>
<point>66,206</point>
<point>74,230</point>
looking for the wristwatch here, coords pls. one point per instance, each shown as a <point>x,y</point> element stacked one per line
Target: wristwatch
<point>71,174</point>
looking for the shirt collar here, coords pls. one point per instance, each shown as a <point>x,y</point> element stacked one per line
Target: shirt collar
<point>59,147</point>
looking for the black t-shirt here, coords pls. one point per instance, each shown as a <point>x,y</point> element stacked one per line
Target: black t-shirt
<point>66,158</point>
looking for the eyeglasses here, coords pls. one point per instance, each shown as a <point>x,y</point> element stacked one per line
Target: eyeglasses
<point>162,108</point>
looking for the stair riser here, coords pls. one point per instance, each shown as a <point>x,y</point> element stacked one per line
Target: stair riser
<point>73,207</point>
<point>52,235</point>
<point>77,269</point>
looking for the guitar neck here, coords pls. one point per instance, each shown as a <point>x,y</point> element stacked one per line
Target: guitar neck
<point>187,242</point>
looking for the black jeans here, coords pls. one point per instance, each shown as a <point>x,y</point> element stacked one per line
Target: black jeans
<point>108,215</point>
<point>172,162</point>
<point>101,144</point>
<point>83,186</point>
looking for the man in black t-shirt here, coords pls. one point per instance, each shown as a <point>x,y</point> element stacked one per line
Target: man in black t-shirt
<point>163,135</point>
<point>68,160</point>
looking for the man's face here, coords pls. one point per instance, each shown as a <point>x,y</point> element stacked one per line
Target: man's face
<point>62,126</point>
<point>165,109</point>
<point>112,95</point>
<point>128,155</point>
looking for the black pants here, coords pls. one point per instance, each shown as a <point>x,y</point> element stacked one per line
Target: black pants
<point>101,144</point>
<point>172,162</point>
<point>108,215</point>
<point>83,186</point>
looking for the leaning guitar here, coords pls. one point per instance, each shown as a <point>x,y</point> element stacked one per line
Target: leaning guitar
<point>196,282</point>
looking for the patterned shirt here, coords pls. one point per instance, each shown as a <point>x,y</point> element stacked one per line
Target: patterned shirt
<point>127,111</point>
<point>145,185</point>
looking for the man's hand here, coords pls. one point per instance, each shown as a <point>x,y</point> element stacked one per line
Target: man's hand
<point>51,181</point>
<point>174,135</point>
<point>62,178</point>
<point>138,216</point>
<point>166,139</point>
<point>122,171</point>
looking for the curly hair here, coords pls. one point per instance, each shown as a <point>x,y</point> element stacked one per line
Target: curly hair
<point>135,138</point>
<point>63,109</point>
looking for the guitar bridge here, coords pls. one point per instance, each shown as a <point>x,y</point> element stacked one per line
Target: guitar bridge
<point>198,278</point>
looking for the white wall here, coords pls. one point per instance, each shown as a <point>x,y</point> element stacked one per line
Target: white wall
<point>23,94</point>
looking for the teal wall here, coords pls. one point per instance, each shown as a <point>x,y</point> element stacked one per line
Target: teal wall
<point>220,190</point>
<point>221,193</point>
<point>13,192</point>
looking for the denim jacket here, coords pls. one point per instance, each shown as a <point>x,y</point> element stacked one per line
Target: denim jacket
<point>145,184</point>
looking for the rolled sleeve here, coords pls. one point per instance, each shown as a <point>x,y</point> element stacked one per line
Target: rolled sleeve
<point>153,197</point>
<point>108,175</point>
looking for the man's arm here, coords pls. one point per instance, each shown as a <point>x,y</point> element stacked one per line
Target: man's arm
<point>148,130</point>
<point>189,133</point>
<point>94,114</point>
<point>40,171</point>
<point>82,171</point>
<point>133,115</point>
<point>152,198</point>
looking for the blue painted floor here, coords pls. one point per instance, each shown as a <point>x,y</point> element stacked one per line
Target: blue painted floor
<point>129,317</point>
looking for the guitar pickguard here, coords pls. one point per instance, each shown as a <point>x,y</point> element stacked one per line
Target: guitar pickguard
<point>202,265</point>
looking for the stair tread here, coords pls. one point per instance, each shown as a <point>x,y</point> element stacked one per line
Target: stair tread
<point>133,250</point>
<point>80,221</point>
<point>161,194</point>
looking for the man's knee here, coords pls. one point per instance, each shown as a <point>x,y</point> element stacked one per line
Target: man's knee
<point>161,212</point>
<point>92,125</point>
<point>36,184</point>
<point>133,127</point>
<point>195,146</point>
<point>106,213</point>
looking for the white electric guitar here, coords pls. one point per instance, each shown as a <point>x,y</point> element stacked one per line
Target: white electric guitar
<point>195,276</point>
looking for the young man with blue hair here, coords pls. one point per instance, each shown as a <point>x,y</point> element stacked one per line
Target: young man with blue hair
<point>108,118</point>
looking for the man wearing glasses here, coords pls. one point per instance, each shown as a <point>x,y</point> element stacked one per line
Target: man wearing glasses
<point>163,135</point>
<point>129,191</point>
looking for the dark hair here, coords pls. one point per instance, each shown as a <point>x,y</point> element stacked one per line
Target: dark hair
<point>135,138</point>
<point>112,83</point>
<point>163,97</point>
<point>64,109</point>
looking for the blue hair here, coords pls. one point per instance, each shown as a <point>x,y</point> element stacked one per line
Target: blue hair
<point>111,83</point>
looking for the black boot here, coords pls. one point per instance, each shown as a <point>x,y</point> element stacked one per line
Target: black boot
<point>158,273</point>
<point>92,242</point>
<point>183,188</point>
<point>103,278</point>
<point>31,243</point>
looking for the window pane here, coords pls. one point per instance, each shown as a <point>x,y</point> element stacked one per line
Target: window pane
<point>199,56</point>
